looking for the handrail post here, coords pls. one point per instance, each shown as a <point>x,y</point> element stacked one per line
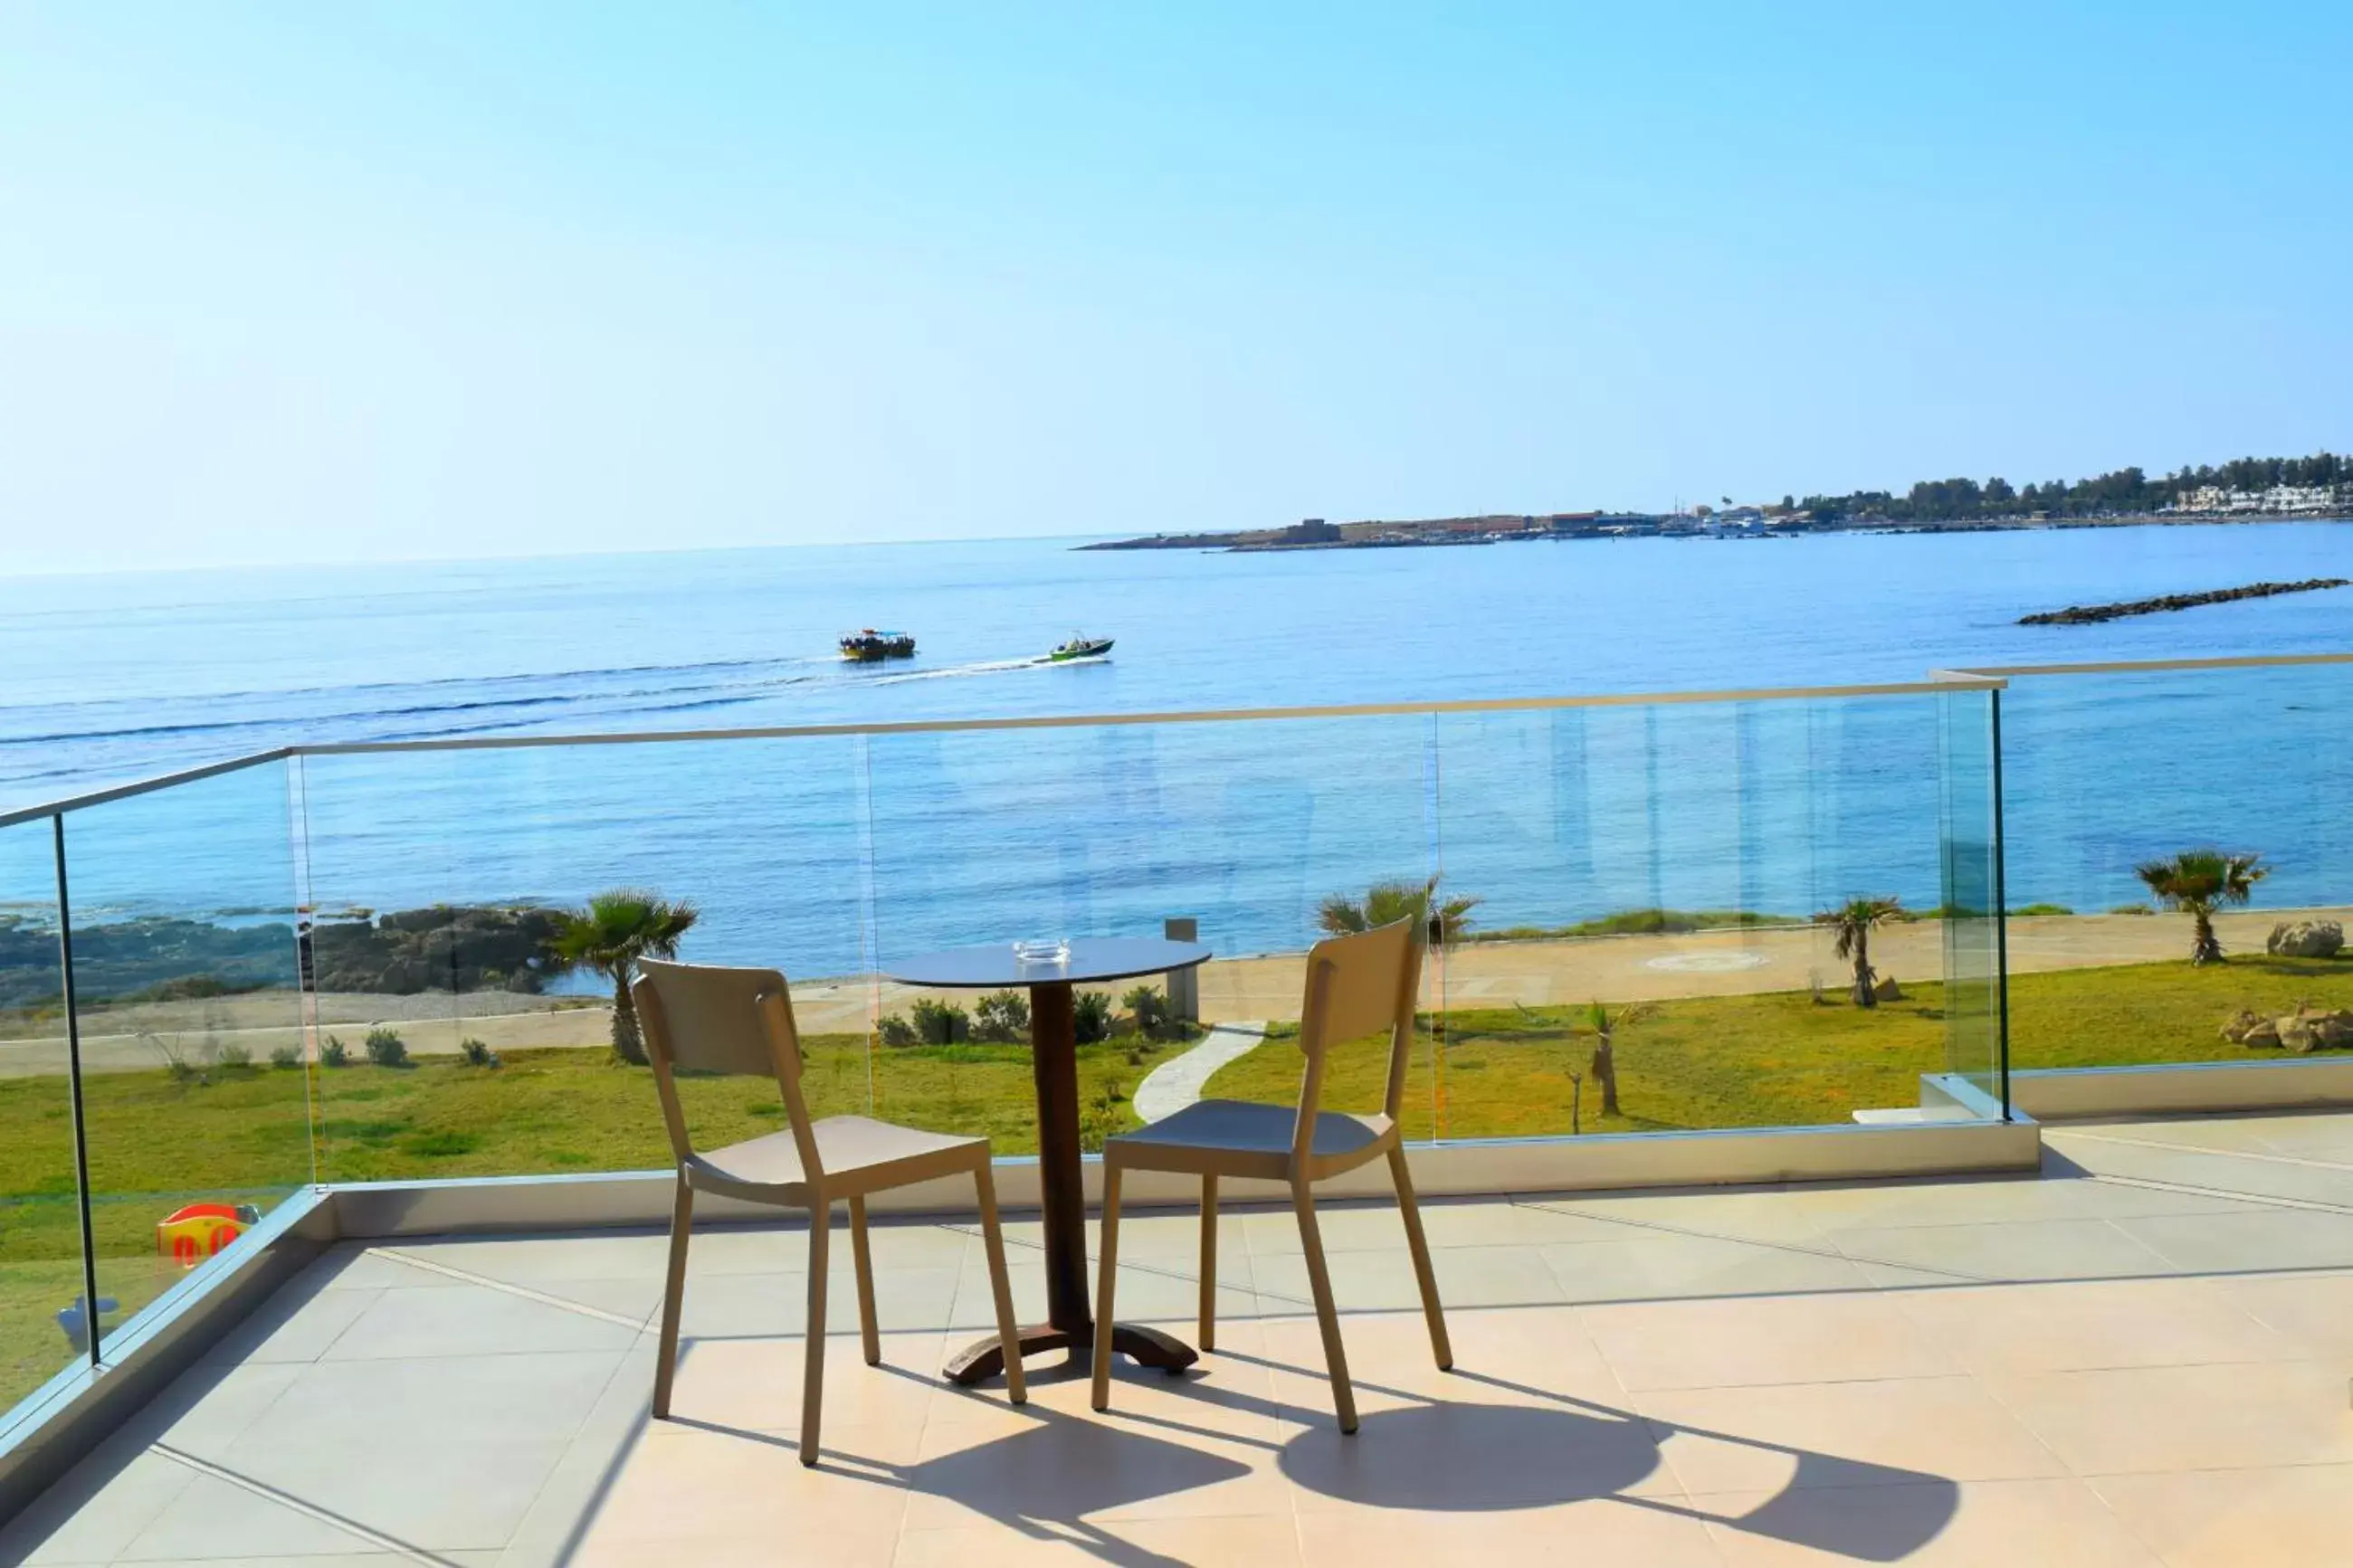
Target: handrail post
<point>74,1095</point>
<point>2001,913</point>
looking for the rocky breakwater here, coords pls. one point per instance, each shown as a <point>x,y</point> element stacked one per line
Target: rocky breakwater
<point>450,947</point>
<point>2089,615</point>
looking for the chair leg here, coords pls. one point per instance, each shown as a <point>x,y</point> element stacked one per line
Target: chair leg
<point>992,1240</point>
<point>682,1224</point>
<point>1327,1316</point>
<point>1440,1346</point>
<point>1105,1286</point>
<point>870,1336</point>
<point>1208,1335</point>
<point>813,1373</point>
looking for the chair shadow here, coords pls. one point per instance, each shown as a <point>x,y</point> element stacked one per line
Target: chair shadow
<point>1430,1455</point>
<point>1047,1479</point>
<point>1459,1457</point>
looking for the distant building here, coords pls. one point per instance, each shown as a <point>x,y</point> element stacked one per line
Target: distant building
<point>2278,500</point>
<point>1309,531</point>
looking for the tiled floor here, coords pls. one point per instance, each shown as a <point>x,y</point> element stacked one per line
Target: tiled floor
<point>2142,1358</point>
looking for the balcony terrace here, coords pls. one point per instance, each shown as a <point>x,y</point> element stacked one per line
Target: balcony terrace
<point>1926,1281</point>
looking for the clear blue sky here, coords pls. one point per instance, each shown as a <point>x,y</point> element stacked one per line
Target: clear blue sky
<point>335,281</point>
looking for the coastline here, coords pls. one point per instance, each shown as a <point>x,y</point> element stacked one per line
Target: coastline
<point>1458,532</point>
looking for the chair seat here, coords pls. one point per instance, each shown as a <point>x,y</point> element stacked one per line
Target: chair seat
<point>1245,1138</point>
<point>859,1153</point>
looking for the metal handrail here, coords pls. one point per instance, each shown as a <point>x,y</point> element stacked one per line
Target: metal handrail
<point>2154,666</point>
<point>1966,682</point>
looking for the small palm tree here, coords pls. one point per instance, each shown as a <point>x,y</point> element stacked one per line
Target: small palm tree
<point>1853,921</point>
<point>618,928</point>
<point>2198,881</point>
<point>1606,1022</point>
<point>1390,901</point>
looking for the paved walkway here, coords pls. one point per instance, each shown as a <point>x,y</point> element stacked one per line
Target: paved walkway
<point>1178,1081</point>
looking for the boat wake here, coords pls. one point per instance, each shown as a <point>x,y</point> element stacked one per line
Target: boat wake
<point>985,667</point>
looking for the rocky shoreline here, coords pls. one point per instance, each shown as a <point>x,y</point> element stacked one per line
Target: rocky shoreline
<point>2089,615</point>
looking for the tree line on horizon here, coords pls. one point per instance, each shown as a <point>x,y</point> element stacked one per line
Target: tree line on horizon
<point>2123,491</point>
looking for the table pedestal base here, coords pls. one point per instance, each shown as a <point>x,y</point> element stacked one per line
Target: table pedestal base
<point>984,1358</point>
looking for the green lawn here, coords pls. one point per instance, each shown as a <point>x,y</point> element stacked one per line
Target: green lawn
<point>240,1134</point>
<point>1780,1059</point>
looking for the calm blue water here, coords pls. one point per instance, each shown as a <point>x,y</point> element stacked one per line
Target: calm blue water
<point>822,854</point>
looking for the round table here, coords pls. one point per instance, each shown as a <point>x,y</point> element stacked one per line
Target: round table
<point>1054,1064</point>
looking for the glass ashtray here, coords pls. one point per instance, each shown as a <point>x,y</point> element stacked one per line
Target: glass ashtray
<point>1055,950</point>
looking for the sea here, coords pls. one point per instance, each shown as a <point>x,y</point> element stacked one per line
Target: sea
<point>833,853</point>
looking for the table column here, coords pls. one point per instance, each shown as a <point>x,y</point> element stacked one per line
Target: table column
<point>1054,1063</point>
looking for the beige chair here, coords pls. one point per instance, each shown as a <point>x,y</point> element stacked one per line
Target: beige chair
<point>1356,985</point>
<point>740,1021</point>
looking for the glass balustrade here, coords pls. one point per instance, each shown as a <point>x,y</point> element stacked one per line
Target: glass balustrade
<point>44,1296</point>
<point>188,1004</point>
<point>393,963</point>
<point>2136,797</point>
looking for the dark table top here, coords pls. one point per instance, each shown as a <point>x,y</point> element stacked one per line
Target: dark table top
<point>1093,958</point>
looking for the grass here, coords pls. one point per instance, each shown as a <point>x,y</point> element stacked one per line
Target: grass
<point>1637,922</point>
<point>1781,1059</point>
<point>244,1136</point>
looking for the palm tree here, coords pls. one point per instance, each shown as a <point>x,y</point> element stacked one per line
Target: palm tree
<point>1390,901</point>
<point>1606,1025</point>
<point>618,928</point>
<point>1853,921</point>
<point>2196,880</point>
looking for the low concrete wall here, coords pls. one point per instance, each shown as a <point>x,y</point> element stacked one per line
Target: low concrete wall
<point>1740,1156</point>
<point>2060,1093</point>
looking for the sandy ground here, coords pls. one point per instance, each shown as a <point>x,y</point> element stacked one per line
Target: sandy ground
<point>1496,974</point>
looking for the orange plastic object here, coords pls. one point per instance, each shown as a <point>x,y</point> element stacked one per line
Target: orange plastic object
<point>192,1234</point>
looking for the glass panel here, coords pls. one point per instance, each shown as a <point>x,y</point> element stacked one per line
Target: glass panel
<point>1656,871</point>
<point>1971,829</point>
<point>1249,828</point>
<point>442,882</point>
<point>185,983</point>
<point>42,1295</point>
<point>2104,774</point>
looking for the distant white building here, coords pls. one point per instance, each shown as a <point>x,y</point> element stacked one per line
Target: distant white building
<point>2279,500</point>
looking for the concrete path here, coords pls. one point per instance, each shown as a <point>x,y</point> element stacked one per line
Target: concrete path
<point>1178,1081</point>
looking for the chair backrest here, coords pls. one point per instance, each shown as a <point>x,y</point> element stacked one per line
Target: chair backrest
<point>705,1018</point>
<point>1357,985</point>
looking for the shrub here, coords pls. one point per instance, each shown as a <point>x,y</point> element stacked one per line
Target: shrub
<point>1001,1016</point>
<point>941,1023</point>
<point>1100,1118</point>
<point>1148,1005</point>
<point>233,1056</point>
<point>897,1031</point>
<point>384,1049</point>
<point>472,1053</point>
<point>334,1053</point>
<point>286,1056</point>
<point>1090,1013</point>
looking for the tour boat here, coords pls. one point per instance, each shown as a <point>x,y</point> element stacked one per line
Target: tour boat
<point>869,646</point>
